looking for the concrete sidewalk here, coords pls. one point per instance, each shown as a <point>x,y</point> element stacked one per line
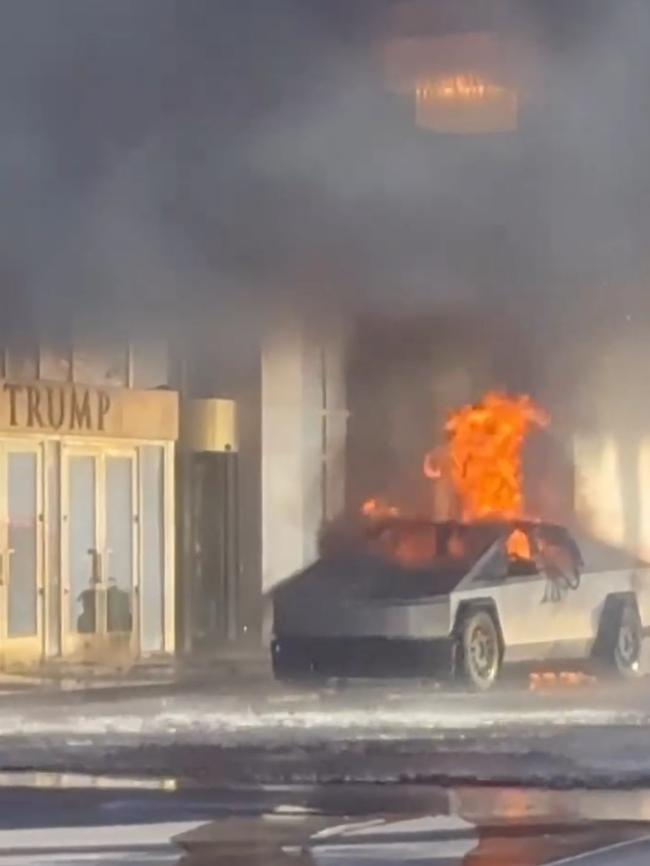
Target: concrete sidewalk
<point>161,675</point>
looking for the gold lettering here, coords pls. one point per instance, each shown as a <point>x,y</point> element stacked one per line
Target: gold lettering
<point>13,391</point>
<point>103,407</point>
<point>77,409</point>
<point>55,414</point>
<point>80,411</point>
<point>34,406</point>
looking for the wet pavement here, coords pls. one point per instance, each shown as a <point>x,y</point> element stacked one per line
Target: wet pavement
<point>393,732</point>
<point>370,774</point>
<point>395,825</point>
<point>261,705</point>
<point>47,819</point>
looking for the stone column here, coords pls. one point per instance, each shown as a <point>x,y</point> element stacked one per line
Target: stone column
<point>303,439</point>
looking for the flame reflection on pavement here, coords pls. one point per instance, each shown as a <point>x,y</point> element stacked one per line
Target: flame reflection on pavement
<point>468,827</point>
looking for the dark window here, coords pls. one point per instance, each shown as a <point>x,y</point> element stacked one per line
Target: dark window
<point>518,567</point>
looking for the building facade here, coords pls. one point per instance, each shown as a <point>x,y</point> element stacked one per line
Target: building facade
<point>87,501</point>
<point>261,467</point>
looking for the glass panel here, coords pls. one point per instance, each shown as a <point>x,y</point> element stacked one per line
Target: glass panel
<point>119,543</point>
<point>153,541</point>
<point>81,540</point>
<point>23,521</point>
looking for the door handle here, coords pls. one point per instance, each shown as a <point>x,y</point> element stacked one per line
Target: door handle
<point>96,568</point>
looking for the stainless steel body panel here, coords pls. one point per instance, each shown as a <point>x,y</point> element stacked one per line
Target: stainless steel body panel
<point>536,618</point>
<point>542,621</point>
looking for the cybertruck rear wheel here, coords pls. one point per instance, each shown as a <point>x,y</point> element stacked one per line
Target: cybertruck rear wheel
<point>479,647</point>
<point>626,656</point>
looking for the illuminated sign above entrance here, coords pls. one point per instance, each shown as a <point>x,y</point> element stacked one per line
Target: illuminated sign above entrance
<point>76,409</point>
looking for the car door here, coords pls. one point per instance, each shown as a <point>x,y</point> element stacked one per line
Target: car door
<point>568,598</point>
<point>545,613</point>
<point>539,612</point>
<point>522,600</point>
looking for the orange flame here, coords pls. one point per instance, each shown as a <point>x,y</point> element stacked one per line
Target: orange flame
<point>518,545</point>
<point>485,445</point>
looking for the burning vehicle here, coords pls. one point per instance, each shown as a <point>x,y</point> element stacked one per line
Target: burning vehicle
<point>469,596</point>
<point>466,600</point>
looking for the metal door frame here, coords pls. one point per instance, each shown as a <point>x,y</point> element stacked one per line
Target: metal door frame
<point>22,649</point>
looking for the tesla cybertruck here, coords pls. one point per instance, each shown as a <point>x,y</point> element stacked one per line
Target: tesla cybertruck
<point>462,600</point>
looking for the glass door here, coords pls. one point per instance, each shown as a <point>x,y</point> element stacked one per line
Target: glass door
<point>21,573</point>
<point>81,528</point>
<point>99,550</point>
<point>119,543</point>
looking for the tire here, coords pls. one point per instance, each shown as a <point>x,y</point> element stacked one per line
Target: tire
<point>625,652</point>
<point>480,651</point>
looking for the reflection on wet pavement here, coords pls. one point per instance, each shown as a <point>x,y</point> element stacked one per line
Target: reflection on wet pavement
<point>387,826</point>
<point>76,781</point>
<point>493,846</point>
<point>332,825</point>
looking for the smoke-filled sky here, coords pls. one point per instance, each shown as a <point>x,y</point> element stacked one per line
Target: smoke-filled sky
<point>160,159</point>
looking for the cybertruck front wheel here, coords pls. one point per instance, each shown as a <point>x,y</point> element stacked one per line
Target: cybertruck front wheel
<point>479,662</point>
<point>625,654</point>
<point>619,643</point>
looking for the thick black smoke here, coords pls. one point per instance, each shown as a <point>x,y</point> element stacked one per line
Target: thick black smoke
<point>180,162</point>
